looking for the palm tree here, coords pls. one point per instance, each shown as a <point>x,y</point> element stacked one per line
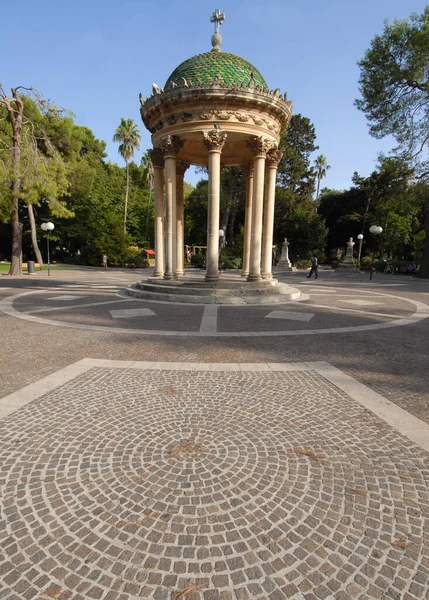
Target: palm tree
<point>322,166</point>
<point>129,135</point>
<point>148,179</point>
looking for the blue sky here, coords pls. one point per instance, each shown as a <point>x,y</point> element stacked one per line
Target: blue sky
<point>95,57</point>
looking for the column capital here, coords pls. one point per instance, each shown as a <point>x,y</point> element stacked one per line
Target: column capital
<point>247,169</point>
<point>170,145</point>
<point>157,157</point>
<point>214,139</point>
<point>273,158</point>
<point>181,167</point>
<point>260,146</point>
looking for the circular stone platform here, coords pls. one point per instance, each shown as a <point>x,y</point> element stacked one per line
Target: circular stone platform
<point>228,289</point>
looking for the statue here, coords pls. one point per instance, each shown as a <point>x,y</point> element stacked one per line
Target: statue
<point>349,262</point>
<point>284,262</point>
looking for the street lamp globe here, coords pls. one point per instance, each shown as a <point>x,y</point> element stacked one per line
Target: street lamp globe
<point>360,237</point>
<point>376,229</point>
<point>48,227</point>
<point>221,233</point>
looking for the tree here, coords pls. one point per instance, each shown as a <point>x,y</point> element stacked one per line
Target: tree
<point>321,166</point>
<point>148,175</point>
<point>31,166</point>
<point>295,211</point>
<point>387,197</point>
<point>128,135</point>
<point>394,84</point>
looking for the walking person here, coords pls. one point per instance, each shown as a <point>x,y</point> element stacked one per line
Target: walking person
<point>105,261</point>
<point>314,267</point>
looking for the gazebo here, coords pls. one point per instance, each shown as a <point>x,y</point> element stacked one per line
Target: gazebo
<point>215,110</point>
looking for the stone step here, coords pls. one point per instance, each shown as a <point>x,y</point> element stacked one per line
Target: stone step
<point>196,290</point>
<point>188,297</point>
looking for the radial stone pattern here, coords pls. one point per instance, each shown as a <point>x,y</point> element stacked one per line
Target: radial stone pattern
<point>125,485</point>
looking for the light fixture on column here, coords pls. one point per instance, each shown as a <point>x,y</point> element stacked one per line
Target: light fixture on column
<point>48,227</point>
<point>360,238</point>
<point>375,230</point>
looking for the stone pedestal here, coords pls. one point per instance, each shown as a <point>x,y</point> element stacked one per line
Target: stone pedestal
<point>348,262</point>
<point>284,262</point>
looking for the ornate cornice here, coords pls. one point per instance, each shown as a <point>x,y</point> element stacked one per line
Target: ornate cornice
<point>184,105</point>
<point>170,145</point>
<point>181,167</point>
<point>273,159</point>
<point>156,157</point>
<point>215,140</point>
<point>260,146</point>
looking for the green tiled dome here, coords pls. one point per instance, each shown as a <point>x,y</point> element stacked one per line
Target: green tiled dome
<point>231,70</point>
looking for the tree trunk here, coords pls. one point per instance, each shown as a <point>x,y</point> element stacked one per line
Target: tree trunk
<point>318,187</point>
<point>33,235</point>
<point>424,266</point>
<point>16,120</point>
<point>126,202</point>
<point>16,262</point>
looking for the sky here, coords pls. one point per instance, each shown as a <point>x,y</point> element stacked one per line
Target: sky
<point>94,58</point>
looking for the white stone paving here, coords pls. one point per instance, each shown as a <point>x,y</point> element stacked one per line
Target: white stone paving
<point>290,315</point>
<point>358,302</point>
<point>127,313</point>
<point>209,320</point>
<point>64,298</point>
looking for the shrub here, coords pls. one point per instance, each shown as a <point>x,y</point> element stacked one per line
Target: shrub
<point>303,264</point>
<point>232,262</point>
<point>197,260</point>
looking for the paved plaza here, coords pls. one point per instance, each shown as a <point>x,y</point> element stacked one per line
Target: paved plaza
<point>190,452</point>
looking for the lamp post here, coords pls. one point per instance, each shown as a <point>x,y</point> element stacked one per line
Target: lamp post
<point>48,227</point>
<point>360,238</point>
<point>375,230</point>
<point>221,236</point>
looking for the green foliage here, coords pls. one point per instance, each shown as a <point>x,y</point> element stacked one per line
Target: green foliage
<point>295,213</point>
<point>394,83</point>
<point>127,133</point>
<point>231,262</point>
<point>196,215</point>
<point>388,197</point>
<point>198,260</point>
<point>295,173</point>
<point>322,166</point>
<point>306,234</point>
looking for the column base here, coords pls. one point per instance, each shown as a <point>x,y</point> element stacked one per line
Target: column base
<point>180,273</point>
<point>252,277</point>
<point>266,275</point>
<point>211,278</point>
<point>169,276</point>
<point>245,273</point>
<point>158,274</point>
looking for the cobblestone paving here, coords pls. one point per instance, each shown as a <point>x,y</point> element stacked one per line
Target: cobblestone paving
<point>125,484</point>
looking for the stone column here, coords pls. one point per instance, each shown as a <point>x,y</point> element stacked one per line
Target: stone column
<point>181,167</point>
<point>260,146</point>
<point>248,171</point>
<point>170,146</point>
<point>214,140</point>
<point>273,159</point>
<point>158,186</point>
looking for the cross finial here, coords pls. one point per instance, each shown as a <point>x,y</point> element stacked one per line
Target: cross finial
<point>217,18</point>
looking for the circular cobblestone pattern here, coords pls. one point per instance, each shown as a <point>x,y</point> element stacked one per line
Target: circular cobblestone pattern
<point>124,485</point>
